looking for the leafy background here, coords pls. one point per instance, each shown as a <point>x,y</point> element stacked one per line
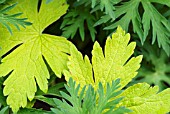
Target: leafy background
<point>148,22</point>
<point>86,21</point>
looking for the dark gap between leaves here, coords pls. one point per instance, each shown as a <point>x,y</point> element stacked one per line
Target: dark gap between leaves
<point>11,50</point>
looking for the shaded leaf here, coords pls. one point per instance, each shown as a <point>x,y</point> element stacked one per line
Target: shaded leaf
<point>150,19</point>
<point>75,21</point>
<point>31,111</point>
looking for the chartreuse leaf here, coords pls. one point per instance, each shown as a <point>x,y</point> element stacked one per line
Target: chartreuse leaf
<point>143,99</point>
<point>29,49</point>
<point>106,67</point>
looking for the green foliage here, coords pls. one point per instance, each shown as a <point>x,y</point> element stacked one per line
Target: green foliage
<point>47,100</point>
<point>53,90</point>
<point>146,17</point>
<point>141,24</point>
<point>143,99</point>
<point>12,19</point>
<point>31,111</point>
<point>2,1</point>
<point>2,98</point>
<point>82,102</point>
<point>109,66</point>
<point>155,67</point>
<point>30,47</point>
<point>140,98</point>
<point>75,20</point>
<point>29,56</point>
<point>107,5</point>
<point>4,110</point>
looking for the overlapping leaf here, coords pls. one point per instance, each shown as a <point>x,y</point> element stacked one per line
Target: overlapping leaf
<point>106,67</point>
<point>6,19</point>
<point>108,5</point>
<point>155,67</point>
<point>86,102</point>
<point>142,22</point>
<point>75,21</point>
<point>29,49</point>
<point>104,5</point>
<point>143,99</point>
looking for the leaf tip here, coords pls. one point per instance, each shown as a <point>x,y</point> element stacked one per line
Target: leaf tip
<point>120,30</point>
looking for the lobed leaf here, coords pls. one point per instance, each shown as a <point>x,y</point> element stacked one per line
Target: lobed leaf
<point>24,52</point>
<point>109,66</point>
<point>113,64</point>
<point>143,99</point>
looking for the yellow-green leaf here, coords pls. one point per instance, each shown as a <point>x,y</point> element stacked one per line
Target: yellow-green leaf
<point>115,63</point>
<point>105,67</point>
<point>143,99</point>
<point>29,49</point>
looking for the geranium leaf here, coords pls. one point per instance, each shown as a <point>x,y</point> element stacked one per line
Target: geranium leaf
<point>116,63</point>
<point>109,66</point>
<point>28,48</point>
<point>143,99</point>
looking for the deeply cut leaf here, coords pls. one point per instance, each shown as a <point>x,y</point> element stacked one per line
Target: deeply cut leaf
<point>29,49</point>
<point>141,98</point>
<point>108,66</point>
<point>150,19</point>
<point>75,21</point>
<point>86,102</point>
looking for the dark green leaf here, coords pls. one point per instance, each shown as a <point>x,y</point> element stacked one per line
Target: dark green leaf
<point>75,21</point>
<point>32,111</point>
